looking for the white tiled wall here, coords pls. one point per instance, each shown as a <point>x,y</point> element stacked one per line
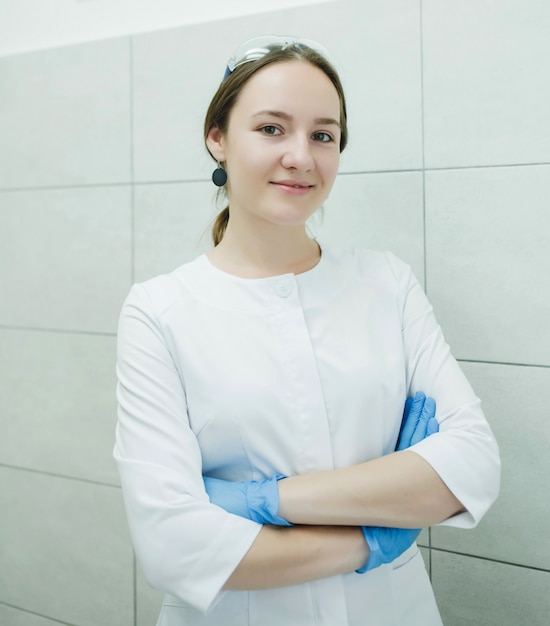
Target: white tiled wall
<point>65,116</point>
<point>65,257</point>
<point>487,233</point>
<point>483,593</point>
<point>172,224</point>
<point>379,211</point>
<point>104,180</point>
<point>516,401</point>
<point>61,397</point>
<point>66,552</point>
<point>486,83</point>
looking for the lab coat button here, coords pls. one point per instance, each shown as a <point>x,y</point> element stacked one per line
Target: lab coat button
<point>283,289</point>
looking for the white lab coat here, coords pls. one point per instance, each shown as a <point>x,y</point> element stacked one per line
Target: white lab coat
<point>242,378</point>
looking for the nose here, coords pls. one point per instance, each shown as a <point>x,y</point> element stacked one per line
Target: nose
<point>298,153</point>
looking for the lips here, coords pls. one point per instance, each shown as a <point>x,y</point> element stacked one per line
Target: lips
<point>293,187</point>
<point>294,184</point>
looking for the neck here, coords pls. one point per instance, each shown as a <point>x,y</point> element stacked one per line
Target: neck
<point>273,251</point>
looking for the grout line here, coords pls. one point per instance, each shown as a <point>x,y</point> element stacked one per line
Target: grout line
<point>63,187</point>
<point>424,233</point>
<point>484,167</point>
<point>132,265</point>
<point>424,224</point>
<point>132,168</point>
<point>442,169</point>
<point>134,584</point>
<point>146,183</point>
<point>129,183</point>
<point>430,552</point>
<point>52,619</point>
<point>92,333</point>
<point>206,180</point>
<point>503,363</point>
<point>492,560</point>
<point>62,331</point>
<point>56,475</point>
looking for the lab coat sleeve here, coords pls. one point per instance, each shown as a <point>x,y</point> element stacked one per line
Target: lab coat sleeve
<point>186,546</point>
<point>464,453</point>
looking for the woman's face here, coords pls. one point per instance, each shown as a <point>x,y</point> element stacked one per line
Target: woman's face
<point>281,148</point>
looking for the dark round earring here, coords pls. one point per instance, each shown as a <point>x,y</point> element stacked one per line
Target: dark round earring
<point>219,176</point>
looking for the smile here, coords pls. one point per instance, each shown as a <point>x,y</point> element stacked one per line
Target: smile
<point>293,183</point>
<point>293,187</point>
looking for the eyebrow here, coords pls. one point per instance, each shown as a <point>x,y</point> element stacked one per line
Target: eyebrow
<point>288,118</point>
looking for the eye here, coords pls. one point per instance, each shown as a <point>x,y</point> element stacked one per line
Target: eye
<point>322,137</point>
<point>270,130</point>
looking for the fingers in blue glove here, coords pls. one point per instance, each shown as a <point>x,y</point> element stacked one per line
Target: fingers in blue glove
<point>418,421</point>
<point>411,416</point>
<point>433,427</point>
<point>386,544</point>
<point>427,416</point>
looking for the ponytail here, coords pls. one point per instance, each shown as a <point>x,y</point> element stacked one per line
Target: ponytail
<point>218,230</point>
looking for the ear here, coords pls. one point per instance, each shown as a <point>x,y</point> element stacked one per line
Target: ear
<point>216,143</point>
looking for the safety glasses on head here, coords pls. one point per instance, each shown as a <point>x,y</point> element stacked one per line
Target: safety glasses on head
<point>256,48</point>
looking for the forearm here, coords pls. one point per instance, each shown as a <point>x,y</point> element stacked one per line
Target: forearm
<point>400,490</point>
<point>280,557</point>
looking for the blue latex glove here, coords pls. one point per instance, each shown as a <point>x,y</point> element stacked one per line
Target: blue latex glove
<point>386,544</point>
<point>418,422</point>
<point>257,500</point>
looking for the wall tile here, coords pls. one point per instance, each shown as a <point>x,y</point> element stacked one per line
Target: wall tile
<point>66,552</point>
<point>484,593</point>
<point>515,400</point>
<point>65,116</point>
<point>10,616</point>
<point>172,225</point>
<point>148,601</point>
<point>59,411</point>
<point>488,256</point>
<point>424,538</point>
<point>486,88</point>
<point>172,84</point>
<point>425,552</point>
<point>383,88</point>
<point>380,62</point>
<point>379,211</point>
<point>65,257</point>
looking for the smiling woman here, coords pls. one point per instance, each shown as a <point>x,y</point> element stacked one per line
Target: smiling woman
<point>274,466</point>
<point>281,153</point>
<point>249,59</point>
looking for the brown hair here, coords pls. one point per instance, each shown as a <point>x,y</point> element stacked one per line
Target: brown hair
<point>226,96</point>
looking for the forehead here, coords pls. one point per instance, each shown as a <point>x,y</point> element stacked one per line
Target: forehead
<point>290,85</point>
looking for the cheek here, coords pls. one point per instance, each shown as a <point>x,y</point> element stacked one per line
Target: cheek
<point>330,167</point>
<point>252,158</point>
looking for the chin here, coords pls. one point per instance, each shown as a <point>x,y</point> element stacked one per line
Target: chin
<point>290,218</point>
<point>292,213</point>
